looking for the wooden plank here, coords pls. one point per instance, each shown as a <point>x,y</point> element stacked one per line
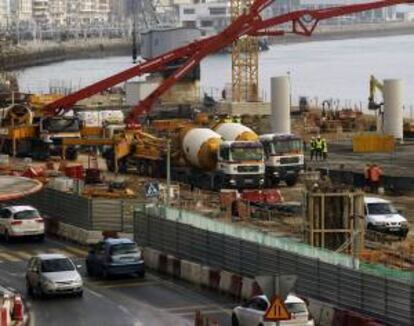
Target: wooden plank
<point>87,141</point>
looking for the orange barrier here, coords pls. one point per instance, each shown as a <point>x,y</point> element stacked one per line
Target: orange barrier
<point>214,279</point>
<point>4,321</point>
<point>18,309</point>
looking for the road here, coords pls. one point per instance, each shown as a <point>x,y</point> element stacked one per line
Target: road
<point>155,300</point>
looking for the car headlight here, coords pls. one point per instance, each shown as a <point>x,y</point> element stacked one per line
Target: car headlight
<point>49,284</point>
<point>261,181</point>
<point>381,223</point>
<point>232,181</point>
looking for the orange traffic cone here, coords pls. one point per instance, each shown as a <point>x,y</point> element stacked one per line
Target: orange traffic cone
<point>4,317</point>
<point>18,309</point>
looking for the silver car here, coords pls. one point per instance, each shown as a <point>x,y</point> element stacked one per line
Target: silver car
<point>50,274</point>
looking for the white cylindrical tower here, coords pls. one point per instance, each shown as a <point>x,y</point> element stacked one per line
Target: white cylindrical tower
<point>393,108</point>
<point>280,104</point>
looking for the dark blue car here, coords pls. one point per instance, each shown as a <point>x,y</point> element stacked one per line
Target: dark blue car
<point>115,257</point>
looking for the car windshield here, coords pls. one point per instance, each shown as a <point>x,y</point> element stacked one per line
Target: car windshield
<point>57,265</point>
<point>26,215</point>
<point>247,153</point>
<point>295,308</point>
<point>381,208</point>
<point>123,248</point>
<point>287,146</point>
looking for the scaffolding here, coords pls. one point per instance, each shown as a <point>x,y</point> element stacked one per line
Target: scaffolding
<point>335,221</point>
<point>245,60</point>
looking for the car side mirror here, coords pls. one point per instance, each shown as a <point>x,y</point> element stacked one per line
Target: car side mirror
<point>400,211</point>
<point>78,266</point>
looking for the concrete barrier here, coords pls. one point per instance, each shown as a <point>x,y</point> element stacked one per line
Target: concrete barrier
<point>236,286</point>
<point>173,266</point>
<point>76,234</point>
<point>162,263</point>
<point>151,257</point>
<point>191,272</point>
<point>205,276</point>
<point>247,288</point>
<point>225,281</point>
<point>214,279</point>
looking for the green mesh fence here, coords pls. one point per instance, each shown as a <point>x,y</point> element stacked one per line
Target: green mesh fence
<point>383,271</point>
<point>283,243</point>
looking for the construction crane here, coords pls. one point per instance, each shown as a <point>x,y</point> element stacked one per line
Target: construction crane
<point>244,60</point>
<point>249,23</point>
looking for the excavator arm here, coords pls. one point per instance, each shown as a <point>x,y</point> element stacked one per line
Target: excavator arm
<point>374,84</point>
<point>250,23</point>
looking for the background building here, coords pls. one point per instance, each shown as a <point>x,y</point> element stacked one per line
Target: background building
<point>210,17</point>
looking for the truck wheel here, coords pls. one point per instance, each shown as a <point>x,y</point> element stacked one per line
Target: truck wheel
<point>71,154</point>
<point>110,165</point>
<point>291,182</point>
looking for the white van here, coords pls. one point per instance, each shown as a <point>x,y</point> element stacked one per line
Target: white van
<point>381,215</point>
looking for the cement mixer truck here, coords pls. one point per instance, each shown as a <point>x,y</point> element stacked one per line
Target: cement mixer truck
<point>199,157</point>
<point>284,158</point>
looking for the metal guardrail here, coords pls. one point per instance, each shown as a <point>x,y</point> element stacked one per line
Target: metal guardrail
<point>385,299</point>
<point>87,213</point>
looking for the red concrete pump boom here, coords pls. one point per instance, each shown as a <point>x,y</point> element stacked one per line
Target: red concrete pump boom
<point>250,23</point>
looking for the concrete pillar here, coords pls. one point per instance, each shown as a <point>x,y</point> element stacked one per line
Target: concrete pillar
<point>280,104</point>
<point>393,108</point>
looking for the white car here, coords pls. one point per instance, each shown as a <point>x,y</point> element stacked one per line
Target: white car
<point>251,313</point>
<point>381,215</point>
<point>21,221</point>
<point>53,274</point>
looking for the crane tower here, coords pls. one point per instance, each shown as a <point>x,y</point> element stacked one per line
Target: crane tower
<point>245,60</point>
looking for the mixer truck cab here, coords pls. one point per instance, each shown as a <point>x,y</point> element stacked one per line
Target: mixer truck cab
<point>284,158</point>
<point>54,129</point>
<point>241,164</point>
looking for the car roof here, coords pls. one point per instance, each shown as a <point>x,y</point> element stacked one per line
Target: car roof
<point>17,209</point>
<point>291,298</point>
<point>372,200</point>
<point>51,256</point>
<point>114,241</point>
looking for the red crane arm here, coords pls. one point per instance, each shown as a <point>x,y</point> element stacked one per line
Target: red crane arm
<point>304,23</point>
<point>150,66</point>
<point>250,23</point>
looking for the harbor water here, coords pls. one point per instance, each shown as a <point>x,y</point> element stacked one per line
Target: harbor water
<point>324,70</point>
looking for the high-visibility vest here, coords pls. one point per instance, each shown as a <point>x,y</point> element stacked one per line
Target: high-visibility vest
<point>318,144</point>
<point>324,146</point>
<point>376,173</point>
<point>313,144</point>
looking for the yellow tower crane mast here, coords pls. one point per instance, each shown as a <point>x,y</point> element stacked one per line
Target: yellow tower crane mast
<point>245,60</point>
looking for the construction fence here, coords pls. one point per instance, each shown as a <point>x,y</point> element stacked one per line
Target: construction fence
<point>92,214</point>
<point>187,236</point>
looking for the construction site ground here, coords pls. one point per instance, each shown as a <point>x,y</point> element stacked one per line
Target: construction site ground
<point>396,253</point>
<point>397,164</point>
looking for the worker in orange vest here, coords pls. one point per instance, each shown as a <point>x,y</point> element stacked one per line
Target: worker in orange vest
<point>367,177</point>
<point>375,177</point>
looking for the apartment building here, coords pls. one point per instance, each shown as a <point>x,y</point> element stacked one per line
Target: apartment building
<point>58,12</point>
<point>21,9</point>
<point>40,12</point>
<point>210,17</point>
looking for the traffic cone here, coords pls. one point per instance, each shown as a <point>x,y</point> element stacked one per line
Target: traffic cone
<point>18,309</point>
<point>4,317</point>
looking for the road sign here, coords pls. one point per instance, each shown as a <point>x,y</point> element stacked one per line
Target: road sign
<point>152,189</point>
<point>276,285</point>
<point>277,311</point>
